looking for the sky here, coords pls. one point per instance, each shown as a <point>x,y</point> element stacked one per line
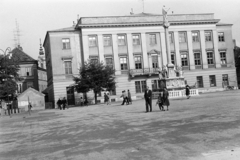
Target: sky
<point>36,17</point>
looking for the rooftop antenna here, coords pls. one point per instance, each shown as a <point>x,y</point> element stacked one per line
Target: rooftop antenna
<point>143,5</point>
<point>17,35</point>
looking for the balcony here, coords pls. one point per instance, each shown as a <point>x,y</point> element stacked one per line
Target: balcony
<point>144,71</point>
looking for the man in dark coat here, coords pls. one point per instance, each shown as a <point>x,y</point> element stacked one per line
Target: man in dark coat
<point>59,103</point>
<point>64,103</point>
<point>187,91</point>
<point>148,99</point>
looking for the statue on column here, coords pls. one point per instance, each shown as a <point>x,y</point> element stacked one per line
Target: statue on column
<point>165,20</point>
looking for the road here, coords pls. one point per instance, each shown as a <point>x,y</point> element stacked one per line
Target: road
<point>206,127</point>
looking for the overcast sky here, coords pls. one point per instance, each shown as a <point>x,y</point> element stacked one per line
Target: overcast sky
<point>36,17</point>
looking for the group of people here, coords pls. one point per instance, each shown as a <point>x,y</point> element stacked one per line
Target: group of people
<point>162,100</point>
<point>127,98</point>
<point>62,103</point>
<point>83,101</point>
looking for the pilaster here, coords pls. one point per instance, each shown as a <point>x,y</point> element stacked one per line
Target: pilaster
<point>85,48</point>
<point>145,55</point>
<point>177,53</point>
<point>130,51</point>
<point>203,49</point>
<point>190,50</point>
<point>216,53</point>
<point>115,55</point>
<point>100,48</point>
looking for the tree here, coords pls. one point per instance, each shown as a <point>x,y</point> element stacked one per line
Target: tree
<point>94,77</point>
<point>8,76</point>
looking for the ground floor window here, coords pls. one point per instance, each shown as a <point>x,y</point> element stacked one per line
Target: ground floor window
<point>140,86</point>
<point>212,80</point>
<point>70,96</point>
<point>225,79</point>
<point>200,81</point>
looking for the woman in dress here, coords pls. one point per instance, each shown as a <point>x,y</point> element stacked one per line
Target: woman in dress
<point>165,97</point>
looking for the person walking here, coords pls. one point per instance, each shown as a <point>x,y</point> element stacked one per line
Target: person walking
<point>64,103</point>
<point>165,98</point>
<point>129,97</point>
<point>188,91</point>
<point>109,99</point>
<point>29,108</point>
<point>85,101</point>
<point>160,101</point>
<point>148,99</point>
<point>105,98</point>
<point>59,103</point>
<point>125,99</point>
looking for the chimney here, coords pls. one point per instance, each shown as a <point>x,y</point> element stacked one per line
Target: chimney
<point>20,48</point>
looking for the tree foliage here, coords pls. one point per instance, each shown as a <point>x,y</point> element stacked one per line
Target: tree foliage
<point>8,77</point>
<point>94,77</point>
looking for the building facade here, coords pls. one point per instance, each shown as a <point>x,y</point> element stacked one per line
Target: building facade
<point>135,47</point>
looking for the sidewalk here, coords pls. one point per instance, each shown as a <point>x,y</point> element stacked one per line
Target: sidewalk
<point>204,127</point>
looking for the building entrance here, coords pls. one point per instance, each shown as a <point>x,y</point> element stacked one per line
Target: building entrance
<point>70,96</point>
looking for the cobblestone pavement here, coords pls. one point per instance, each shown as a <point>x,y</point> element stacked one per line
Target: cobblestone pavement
<point>205,127</point>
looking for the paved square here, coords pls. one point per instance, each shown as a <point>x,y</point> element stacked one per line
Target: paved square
<point>202,127</point>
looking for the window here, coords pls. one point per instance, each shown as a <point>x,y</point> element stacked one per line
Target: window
<point>208,36</point>
<point>136,40</point>
<point>66,43</point>
<point>68,67</point>
<point>223,57</point>
<point>184,59</point>
<point>225,79</point>
<point>140,86</point>
<point>109,62</point>
<point>138,62</point>
<point>107,40</point>
<point>199,81</point>
<point>123,63</point>
<point>195,37</point>
<point>182,37</point>
<point>155,61</point>
<point>94,60</point>
<point>212,80</point>
<point>28,71</point>
<point>29,84</point>
<point>92,41</point>
<point>153,39</point>
<point>171,37</point>
<point>173,58</point>
<point>155,85</point>
<point>197,59</point>
<point>121,40</point>
<point>221,37</point>
<point>210,57</point>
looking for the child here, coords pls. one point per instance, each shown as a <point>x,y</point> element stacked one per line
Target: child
<point>160,101</point>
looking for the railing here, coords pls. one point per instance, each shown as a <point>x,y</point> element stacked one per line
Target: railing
<point>144,71</point>
<point>177,93</point>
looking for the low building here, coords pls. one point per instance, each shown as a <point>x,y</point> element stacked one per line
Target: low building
<point>135,47</point>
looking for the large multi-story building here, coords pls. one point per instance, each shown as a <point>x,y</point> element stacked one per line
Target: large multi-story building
<point>135,47</point>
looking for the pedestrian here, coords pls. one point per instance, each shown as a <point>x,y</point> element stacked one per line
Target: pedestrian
<point>105,98</point>
<point>29,108</point>
<point>160,101</point>
<point>85,101</point>
<point>148,99</point>
<point>188,91</point>
<point>125,99</point>
<point>129,97</point>
<point>81,101</point>
<point>165,98</point>
<point>59,103</point>
<point>64,103</point>
<point>109,99</point>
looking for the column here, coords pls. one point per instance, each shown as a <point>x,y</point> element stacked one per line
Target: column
<point>203,49</point>
<point>130,51</point>
<point>100,48</point>
<point>85,48</point>
<point>190,50</point>
<point>216,53</point>
<point>115,55</point>
<point>163,44</point>
<point>146,62</point>
<point>176,44</point>
<point>159,60</point>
